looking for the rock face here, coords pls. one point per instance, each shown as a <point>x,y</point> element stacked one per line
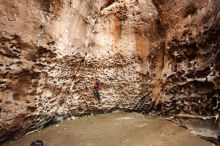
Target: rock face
<point>154,56</point>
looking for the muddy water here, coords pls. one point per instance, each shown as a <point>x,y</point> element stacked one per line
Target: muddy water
<point>116,129</point>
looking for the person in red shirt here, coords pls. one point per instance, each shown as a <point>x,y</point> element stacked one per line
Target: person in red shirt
<point>96,88</point>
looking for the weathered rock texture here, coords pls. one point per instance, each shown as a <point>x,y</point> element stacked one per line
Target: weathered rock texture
<point>154,56</point>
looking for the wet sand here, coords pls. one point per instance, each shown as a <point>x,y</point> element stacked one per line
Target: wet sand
<point>116,129</point>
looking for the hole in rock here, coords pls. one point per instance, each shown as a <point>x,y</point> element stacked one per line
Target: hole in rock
<point>45,5</point>
<point>31,109</point>
<point>16,96</point>
<point>190,9</point>
<point>41,26</point>
<point>107,3</point>
<point>202,87</point>
<point>203,73</point>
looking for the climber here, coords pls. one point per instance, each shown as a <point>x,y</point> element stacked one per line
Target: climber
<point>37,143</point>
<point>96,87</point>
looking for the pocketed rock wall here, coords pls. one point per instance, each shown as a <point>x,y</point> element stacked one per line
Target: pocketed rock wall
<point>152,56</point>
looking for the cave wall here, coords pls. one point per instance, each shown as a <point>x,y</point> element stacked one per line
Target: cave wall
<point>153,56</point>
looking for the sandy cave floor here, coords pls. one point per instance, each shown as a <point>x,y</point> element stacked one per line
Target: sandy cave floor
<point>116,129</point>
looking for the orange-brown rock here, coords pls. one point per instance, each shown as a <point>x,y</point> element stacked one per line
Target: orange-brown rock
<point>153,56</point>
